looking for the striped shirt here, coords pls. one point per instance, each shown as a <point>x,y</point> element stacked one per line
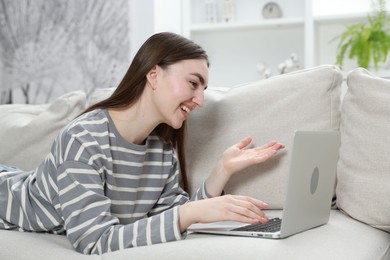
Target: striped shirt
<point>103,192</point>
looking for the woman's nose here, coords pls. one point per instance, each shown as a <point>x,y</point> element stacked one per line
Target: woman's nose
<point>199,98</point>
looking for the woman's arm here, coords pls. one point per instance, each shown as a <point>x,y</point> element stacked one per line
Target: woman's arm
<point>222,208</point>
<point>93,229</point>
<point>229,207</point>
<point>237,158</point>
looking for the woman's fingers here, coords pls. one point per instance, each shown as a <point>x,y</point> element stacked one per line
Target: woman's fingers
<point>268,150</point>
<point>267,145</point>
<point>249,214</point>
<point>244,142</point>
<point>246,209</point>
<point>271,145</point>
<point>223,208</point>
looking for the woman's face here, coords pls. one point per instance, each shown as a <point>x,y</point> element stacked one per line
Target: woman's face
<point>180,89</point>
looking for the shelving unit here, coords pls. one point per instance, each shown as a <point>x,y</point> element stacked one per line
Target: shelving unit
<point>235,48</point>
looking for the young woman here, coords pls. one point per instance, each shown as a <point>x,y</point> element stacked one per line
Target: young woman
<point>115,175</point>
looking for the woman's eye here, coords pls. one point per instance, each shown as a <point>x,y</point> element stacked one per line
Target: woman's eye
<point>193,84</point>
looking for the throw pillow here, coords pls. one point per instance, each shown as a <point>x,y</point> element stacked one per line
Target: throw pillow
<point>100,94</point>
<point>270,109</point>
<point>363,188</point>
<point>27,131</point>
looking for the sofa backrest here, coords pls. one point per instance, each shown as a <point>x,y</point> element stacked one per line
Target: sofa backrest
<point>270,109</point>
<point>28,131</point>
<point>363,172</point>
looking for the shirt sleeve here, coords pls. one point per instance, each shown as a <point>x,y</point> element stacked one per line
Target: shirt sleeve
<point>201,193</point>
<point>90,226</point>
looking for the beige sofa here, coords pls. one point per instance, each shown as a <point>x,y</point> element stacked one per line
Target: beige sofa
<point>309,99</point>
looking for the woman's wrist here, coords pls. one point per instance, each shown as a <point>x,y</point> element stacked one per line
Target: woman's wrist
<point>186,216</point>
<point>217,180</point>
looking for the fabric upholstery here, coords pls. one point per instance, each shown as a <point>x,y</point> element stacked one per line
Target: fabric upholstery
<point>342,238</point>
<point>31,129</point>
<point>363,188</point>
<point>270,109</point>
<point>99,94</point>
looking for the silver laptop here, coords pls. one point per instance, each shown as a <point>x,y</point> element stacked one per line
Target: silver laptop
<point>309,195</point>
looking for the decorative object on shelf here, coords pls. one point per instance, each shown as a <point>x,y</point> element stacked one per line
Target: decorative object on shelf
<point>211,11</point>
<point>367,42</point>
<point>264,70</point>
<point>228,10</point>
<point>271,10</point>
<point>289,65</point>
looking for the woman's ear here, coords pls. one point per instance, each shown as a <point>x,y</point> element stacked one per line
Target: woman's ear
<point>151,77</point>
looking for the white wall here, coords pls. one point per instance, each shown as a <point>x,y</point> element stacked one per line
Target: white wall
<point>151,16</point>
<point>337,7</point>
<point>168,16</point>
<point>141,23</point>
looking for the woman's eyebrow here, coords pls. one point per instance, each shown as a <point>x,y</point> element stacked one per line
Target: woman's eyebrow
<point>201,79</point>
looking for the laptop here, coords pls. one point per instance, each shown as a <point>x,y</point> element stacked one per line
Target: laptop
<point>309,194</point>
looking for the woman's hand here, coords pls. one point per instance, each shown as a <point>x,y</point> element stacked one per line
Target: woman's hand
<point>235,159</point>
<point>222,208</point>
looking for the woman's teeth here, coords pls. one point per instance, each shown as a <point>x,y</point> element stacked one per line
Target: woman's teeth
<point>184,108</point>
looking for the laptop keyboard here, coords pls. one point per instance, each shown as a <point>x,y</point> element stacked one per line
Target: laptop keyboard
<point>273,225</point>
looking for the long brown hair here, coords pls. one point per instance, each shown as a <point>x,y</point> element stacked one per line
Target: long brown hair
<point>161,49</point>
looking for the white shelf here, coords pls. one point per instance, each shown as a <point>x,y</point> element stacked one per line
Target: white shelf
<point>285,22</point>
<point>349,18</point>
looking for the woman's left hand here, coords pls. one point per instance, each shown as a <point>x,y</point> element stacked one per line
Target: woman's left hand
<point>237,158</point>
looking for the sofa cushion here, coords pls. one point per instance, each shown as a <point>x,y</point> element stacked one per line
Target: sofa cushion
<point>27,131</point>
<point>342,238</point>
<point>363,188</point>
<point>100,94</point>
<point>268,109</point>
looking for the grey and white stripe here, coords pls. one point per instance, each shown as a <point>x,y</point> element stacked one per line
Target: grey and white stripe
<point>104,193</point>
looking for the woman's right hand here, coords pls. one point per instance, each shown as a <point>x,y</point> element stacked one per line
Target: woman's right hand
<point>223,208</point>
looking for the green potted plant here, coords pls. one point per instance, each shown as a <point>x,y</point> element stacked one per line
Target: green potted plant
<point>367,42</point>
